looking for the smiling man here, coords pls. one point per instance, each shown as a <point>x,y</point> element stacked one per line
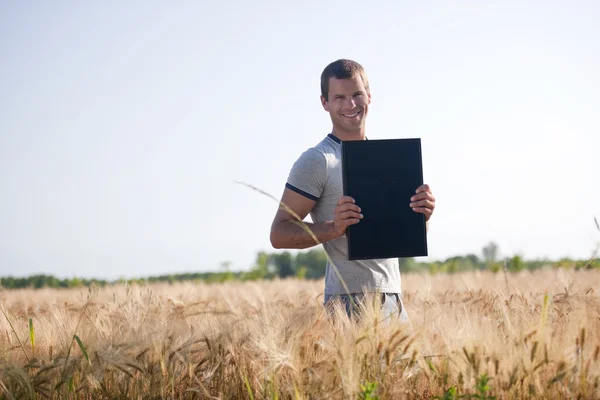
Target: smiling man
<point>315,186</point>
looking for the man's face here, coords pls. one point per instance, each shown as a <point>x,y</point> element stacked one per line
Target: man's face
<point>348,103</point>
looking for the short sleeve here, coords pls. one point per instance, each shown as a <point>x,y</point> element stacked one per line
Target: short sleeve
<point>308,174</point>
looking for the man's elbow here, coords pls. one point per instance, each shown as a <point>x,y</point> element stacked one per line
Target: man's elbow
<point>275,243</point>
<point>275,238</point>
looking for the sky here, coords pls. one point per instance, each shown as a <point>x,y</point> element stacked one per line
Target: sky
<point>125,127</point>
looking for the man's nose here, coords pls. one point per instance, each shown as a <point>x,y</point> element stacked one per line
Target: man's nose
<point>350,103</point>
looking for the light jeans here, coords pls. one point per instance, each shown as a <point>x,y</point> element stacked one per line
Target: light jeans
<point>391,304</point>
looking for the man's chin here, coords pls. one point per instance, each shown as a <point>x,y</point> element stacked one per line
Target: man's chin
<point>354,127</point>
<point>350,127</point>
<point>352,124</point>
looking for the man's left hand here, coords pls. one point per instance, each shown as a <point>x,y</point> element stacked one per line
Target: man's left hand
<point>423,202</point>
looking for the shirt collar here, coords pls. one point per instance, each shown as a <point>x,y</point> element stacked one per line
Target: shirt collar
<point>337,139</point>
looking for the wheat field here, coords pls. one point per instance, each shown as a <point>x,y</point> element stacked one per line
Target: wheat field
<point>477,335</point>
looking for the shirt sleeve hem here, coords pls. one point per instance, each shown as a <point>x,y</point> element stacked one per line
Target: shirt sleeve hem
<point>301,192</point>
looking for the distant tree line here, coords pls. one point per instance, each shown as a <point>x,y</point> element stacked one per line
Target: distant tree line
<point>311,265</point>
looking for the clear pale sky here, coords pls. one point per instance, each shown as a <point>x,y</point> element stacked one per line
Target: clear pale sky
<point>124,127</point>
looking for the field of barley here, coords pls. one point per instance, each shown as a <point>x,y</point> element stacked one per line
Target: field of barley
<point>477,335</point>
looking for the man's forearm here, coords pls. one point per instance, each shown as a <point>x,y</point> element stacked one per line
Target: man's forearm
<point>293,235</point>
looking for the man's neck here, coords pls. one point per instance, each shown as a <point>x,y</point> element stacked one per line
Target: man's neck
<point>344,135</point>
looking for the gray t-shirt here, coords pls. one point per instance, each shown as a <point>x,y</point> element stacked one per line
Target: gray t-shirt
<point>317,175</point>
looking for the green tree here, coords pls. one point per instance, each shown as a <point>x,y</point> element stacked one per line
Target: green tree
<point>408,264</point>
<point>473,260</point>
<point>301,272</point>
<point>490,253</point>
<point>227,275</point>
<point>260,270</point>
<point>75,282</point>
<point>434,268</point>
<point>283,263</point>
<point>516,264</point>
<point>452,266</point>
<point>314,260</point>
<point>461,263</point>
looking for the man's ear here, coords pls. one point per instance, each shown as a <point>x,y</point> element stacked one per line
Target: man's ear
<point>324,103</point>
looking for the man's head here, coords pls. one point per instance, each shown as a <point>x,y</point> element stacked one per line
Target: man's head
<point>345,95</point>
<point>342,69</point>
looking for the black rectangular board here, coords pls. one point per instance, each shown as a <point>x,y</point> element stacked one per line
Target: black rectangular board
<point>382,176</point>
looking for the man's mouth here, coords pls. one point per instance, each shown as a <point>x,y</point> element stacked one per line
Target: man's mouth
<point>351,115</point>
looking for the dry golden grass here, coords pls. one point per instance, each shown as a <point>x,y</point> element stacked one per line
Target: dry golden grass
<point>274,340</point>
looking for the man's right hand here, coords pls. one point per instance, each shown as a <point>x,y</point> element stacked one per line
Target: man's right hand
<point>346,213</point>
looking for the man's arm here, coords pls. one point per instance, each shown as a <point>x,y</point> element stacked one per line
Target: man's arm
<point>289,233</point>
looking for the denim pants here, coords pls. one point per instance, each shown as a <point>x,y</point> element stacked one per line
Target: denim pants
<point>391,304</point>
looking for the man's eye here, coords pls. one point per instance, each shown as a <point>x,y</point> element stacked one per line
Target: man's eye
<point>358,94</point>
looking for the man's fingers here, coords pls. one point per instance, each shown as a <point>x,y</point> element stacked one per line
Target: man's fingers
<point>423,210</point>
<point>351,221</point>
<point>344,223</point>
<point>350,214</point>
<point>345,199</point>
<point>423,188</point>
<point>423,203</point>
<point>346,207</point>
<point>349,207</point>
<point>346,215</point>
<point>422,196</point>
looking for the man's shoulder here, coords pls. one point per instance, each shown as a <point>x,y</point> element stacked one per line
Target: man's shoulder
<point>328,149</point>
<point>320,152</point>
<point>309,173</point>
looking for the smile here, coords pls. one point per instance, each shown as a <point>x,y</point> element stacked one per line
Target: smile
<point>351,115</point>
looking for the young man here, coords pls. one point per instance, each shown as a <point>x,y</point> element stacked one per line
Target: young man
<point>315,186</point>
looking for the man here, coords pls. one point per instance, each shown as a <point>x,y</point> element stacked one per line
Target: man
<point>315,186</point>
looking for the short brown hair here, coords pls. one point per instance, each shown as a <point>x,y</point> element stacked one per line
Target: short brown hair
<point>342,69</point>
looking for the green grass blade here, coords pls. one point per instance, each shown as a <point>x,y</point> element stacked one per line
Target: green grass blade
<point>248,388</point>
<point>70,385</point>
<point>70,345</point>
<point>83,349</point>
<point>274,393</point>
<point>297,395</point>
<point>32,336</point>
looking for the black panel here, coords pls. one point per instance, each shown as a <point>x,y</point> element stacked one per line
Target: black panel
<point>382,176</point>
